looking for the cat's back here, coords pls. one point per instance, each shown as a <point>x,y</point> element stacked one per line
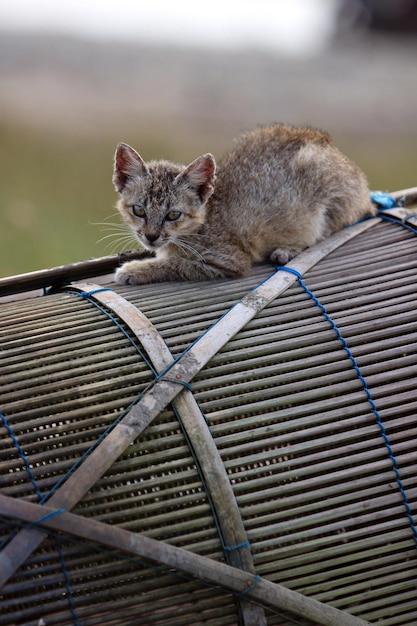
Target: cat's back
<point>274,174</point>
<point>280,137</point>
<point>279,141</point>
<point>295,163</point>
<point>268,154</point>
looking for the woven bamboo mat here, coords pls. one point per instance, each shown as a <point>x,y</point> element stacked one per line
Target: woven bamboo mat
<point>237,452</point>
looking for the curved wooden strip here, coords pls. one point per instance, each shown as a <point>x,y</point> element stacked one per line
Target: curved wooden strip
<point>198,567</point>
<point>218,484</point>
<point>184,368</point>
<point>227,510</point>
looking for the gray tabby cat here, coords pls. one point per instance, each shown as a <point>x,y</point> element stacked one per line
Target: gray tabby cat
<point>280,190</point>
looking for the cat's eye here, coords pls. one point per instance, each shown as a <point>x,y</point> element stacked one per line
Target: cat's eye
<point>138,210</point>
<point>171,216</point>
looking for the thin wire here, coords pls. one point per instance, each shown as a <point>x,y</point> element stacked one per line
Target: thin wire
<point>367,391</point>
<point>94,445</point>
<point>21,454</point>
<point>24,458</point>
<point>157,376</point>
<point>402,223</point>
<point>86,295</point>
<point>159,568</point>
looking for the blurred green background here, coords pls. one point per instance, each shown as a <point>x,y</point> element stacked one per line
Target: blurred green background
<point>65,103</point>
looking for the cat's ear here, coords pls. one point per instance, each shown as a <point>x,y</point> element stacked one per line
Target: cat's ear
<point>200,175</point>
<point>127,164</point>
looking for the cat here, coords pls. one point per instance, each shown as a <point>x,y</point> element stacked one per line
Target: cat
<point>280,190</point>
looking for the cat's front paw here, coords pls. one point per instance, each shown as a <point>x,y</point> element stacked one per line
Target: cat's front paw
<point>131,273</point>
<point>281,256</point>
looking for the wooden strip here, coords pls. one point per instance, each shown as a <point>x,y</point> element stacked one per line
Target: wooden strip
<point>343,566</point>
<point>218,484</point>
<point>331,492</point>
<point>74,340</point>
<point>303,469</point>
<point>122,361</point>
<point>333,554</point>
<point>64,274</point>
<point>217,481</point>
<point>163,392</point>
<point>198,567</point>
<point>409,196</point>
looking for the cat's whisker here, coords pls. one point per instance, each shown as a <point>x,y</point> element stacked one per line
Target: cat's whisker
<point>115,227</point>
<point>186,247</point>
<point>111,225</point>
<point>117,248</point>
<point>118,243</point>
<point>194,235</point>
<point>191,239</point>
<point>120,235</point>
<point>113,215</point>
<point>182,247</point>
<point>203,245</point>
<point>119,231</point>
<point>113,234</point>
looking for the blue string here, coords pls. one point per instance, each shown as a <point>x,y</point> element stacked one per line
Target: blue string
<point>67,580</point>
<point>45,518</point>
<point>93,446</point>
<point>176,381</point>
<point>169,572</point>
<point>21,454</point>
<point>384,200</point>
<point>26,463</point>
<point>157,378</point>
<point>250,587</point>
<point>87,296</point>
<point>244,544</point>
<point>367,391</point>
<point>160,375</point>
<point>209,328</point>
<point>402,223</point>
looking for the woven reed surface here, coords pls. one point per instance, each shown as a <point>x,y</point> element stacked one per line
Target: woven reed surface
<point>296,434</point>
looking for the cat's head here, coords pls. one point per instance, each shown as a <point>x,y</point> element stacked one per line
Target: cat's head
<point>159,200</point>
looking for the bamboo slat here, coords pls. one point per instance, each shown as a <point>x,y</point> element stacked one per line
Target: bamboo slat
<point>230,578</point>
<point>276,419</point>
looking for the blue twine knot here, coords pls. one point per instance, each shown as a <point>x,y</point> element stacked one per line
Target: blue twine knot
<point>383,200</point>
<point>291,270</point>
<point>177,381</point>
<point>87,294</point>
<point>244,544</point>
<point>250,586</point>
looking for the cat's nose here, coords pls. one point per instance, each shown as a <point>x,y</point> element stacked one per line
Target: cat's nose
<point>152,237</point>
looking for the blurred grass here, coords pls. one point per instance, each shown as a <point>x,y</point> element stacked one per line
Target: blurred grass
<point>51,191</point>
<point>55,188</point>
